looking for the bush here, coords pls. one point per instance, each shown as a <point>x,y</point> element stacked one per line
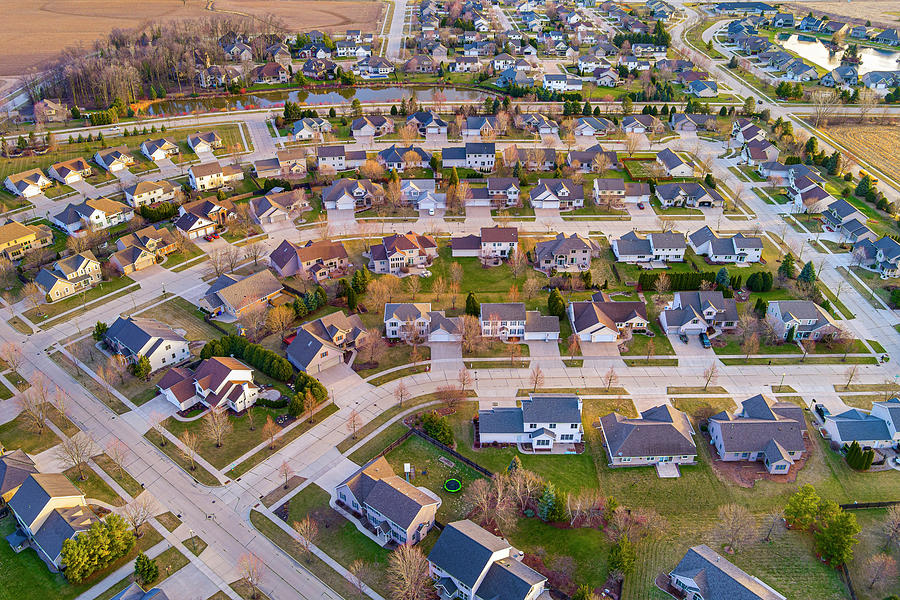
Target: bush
<point>260,358</point>
<point>266,403</point>
<point>304,381</point>
<point>438,427</point>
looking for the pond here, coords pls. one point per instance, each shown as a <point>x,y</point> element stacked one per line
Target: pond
<point>812,50</point>
<point>265,99</point>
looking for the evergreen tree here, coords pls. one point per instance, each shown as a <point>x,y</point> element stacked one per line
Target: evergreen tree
<point>556,305</point>
<point>145,569</point>
<point>100,329</point>
<point>547,503</point>
<point>295,407</point>
<point>808,273</point>
<point>853,455</point>
<point>863,187</point>
<point>836,536</point>
<point>622,556</point>
<point>321,295</point>
<point>802,508</point>
<point>722,278</point>
<point>515,464</point>
<point>788,268</point>
<point>472,306</point>
<point>351,299</point>
<point>454,177</point>
<point>141,368</point>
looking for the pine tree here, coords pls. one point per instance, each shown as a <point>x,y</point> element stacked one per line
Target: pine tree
<point>295,408</point>
<point>472,306</point>
<point>556,305</point>
<point>787,268</point>
<point>351,299</point>
<point>722,278</point>
<point>547,503</point>
<point>808,273</point>
<point>515,464</point>
<point>622,556</point>
<point>145,569</point>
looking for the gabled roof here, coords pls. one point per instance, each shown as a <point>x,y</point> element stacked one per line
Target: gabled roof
<point>39,489</point>
<point>855,424</point>
<point>406,311</point>
<point>660,431</point>
<point>759,422</point>
<point>719,579</point>
<point>248,290</point>
<point>464,550</point>
<point>376,485</point>
<point>503,311</point>
<point>587,314</point>
<point>551,408</point>
<point>15,467</point>
<point>136,334</point>
<point>60,525</point>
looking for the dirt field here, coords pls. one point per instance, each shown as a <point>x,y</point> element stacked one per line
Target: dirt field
<point>877,144</point>
<point>886,12</point>
<point>43,29</point>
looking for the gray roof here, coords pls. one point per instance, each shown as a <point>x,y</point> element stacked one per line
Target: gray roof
<point>15,467</point>
<point>587,314</point>
<point>504,311</point>
<point>562,245</point>
<point>501,420</point>
<point>406,311</point>
<point>535,322</point>
<point>376,485</point>
<point>134,592</point>
<point>37,490</point>
<point>632,245</point>
<point>668,241</point>
<point>61,524</point>
<point>669,159</point>
<point>721,580</point>
<point>466,242</point>
<point>464,549</point>
<point>508,579</point>
<point>660,431</point>
<point>892,407</point>
<point>760,421</point>
<point>135,333</point>
<point>480,148</point>
<point>855,424</point>
<point>551,408</point>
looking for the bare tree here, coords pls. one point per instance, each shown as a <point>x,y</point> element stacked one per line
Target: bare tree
<point>35,411</point>
<point>232,257</point>
<point>286,472</point>
<point>373,346</point>
<point>878,571</point>
<point>517,262</point>
<point>217,425</point>
<point>279,319</point>
<point>536,379</point>
<point>33,294</point>
<point>439,287</point>
<point>710,374</point>
<point>892,527</point>
<point>11,354</point>
<point>217,261</point>
<point>253,252</point>
<point>252,568</point>
<point>269,431</point>
<point>610,378</point>
<point>413,285</point>
<point>308,530</point>
<point>470,329</point>
<point>117,452</point>
<point>530,287</point>
<point>359,571</point>
<point>401,393</point>
<point>156,420</point>
<point>632,143</point>
<point>464,378</point>
<point>750,344</point>
<point>75,451</point>
<point>139,511</point>
<point>662,284</point>
<point>868,99</point>
<point>850,373</point>
<point>407,572</point>
<point>354,421</point>
<point>737,526</point>
<point>190,441</point>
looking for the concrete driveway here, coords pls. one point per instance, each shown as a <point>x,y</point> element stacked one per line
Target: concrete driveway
<point>541,349</point>
<point>692,348</point>
<point>206,157</point>
<point>599,349</point>
<point>341,217</point>
<point>441,351</point>
<point>167,168</point>
<point>126,176</point>
<point>86,188</point>
<point>482,213</point>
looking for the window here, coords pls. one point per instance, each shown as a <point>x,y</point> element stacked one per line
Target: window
<point>552,425</point>
<point>573,426</point>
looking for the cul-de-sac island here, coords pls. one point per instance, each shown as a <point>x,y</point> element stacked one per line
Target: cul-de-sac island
<point>450,299</point>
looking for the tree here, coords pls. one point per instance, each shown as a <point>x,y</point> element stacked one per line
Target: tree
<point>556,305</point>
<point>836,536</point>
<point>413,285</point>
<point>269,431</point>
<point>308,530</point>
<point>622,556</point>
<point>610,378</point>
<point>359,571</point>
<point>722,279</point>
<point>787,269</point>
<point>472,306</point>
<point>465,380</point>
<point>663,283</point>
<point>286,472</point>
<point>802,508</point>
<point>807,273</point>
<point>547,505</point>
<point>824,102</point>
<point>117,451</point>
<point>146,571</point>
<point>737,526</point>
<point>632,143</point>
<point>97,548</point>
<point>536,378</point>
<point>530,287</point>
<point>750,344</point>
<point>217,425</point>
<point>11,354</point>
<point>141,368</point>
<point>408,574</point>
<point>190,442</point>
<point>710,374</point>
<point>850,373</point>
<point>252,568</point>
<point>35,411</point>
<point>354,421</point>
<point>139,511</point>
<point>771,521</point>
<point>878,571</point>
<point>74,452</point>
<point>100,329</point>
<point>253,252</point>
<point>892,527</point>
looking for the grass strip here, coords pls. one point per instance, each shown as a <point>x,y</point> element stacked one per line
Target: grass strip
<point>120,476</point>
<point>398,374</point>
<point>710,389</point>
<point>798,360</point>
<point>199,474</point>
<point>651,362</point>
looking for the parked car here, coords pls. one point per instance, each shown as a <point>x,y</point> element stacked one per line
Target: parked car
<point>704,339</point>
<point>683,337</point>
<point>640,205</point>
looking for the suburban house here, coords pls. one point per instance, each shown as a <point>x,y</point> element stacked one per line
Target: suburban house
<point>49,510</point>
<point>51,110</point>
<point>807,195</point>
<point>93,214</point>
<point>134,337</point>
<point>270,74</point>
<point>149,192</point>
<point>603,320</point>
<point>319,68</point>
<point>857,425</point>
<point>201,217</point>
<point>321,344</point>
<point>313,260</point>
<point>673,164</point>
<point>506,320</point>
<point>218,76</point>
<point>557,193</point>
<point>212,175</point>
<point>667,247</point>
<point>27,183</point>
<point>540,124</point>
<point>396,511</point>
<point>609,191</point>
<point>703,574</point>
<point>70,171</point>
<point>232,295</point>
<point>422,193</point>
<point>309,128</point>
<point>372,66</point>
<point>743,131</point>
<point>801,320</point>
<point>593,126</point>
<point>494,242</point>
<point>159,149</point>
<point>416,321</point>
<point>339,159</point>
<point>292,161</point>
<point>114,159</point>
<point>697,312</point>
<point>737,248</point>
<point>641,124</point>
<point>702,88</point>
<point>565,253</point>
<point>758,151</point>
<point>277,206</point>
<point>399,252</point>
<point>205,141</point>
<point>371,126</point>
<point>478,156</point>
<point>499,192</point>
<point>661,434</point>
<point>541,421</point>
<point>69,275</point>
<point>691,194</point>
<point>845,219</point>
<point>351,194</point>
<point>470,563</point>
<point>889,410</point>
<point>17,239</point>
<point>562,83</point>
<point>15,467</point>
<point>592,159</point>
<point>403,157</point>
<point>427,122</point>
<point>218,382</point>
<point>691,121</point>
<point>881,256</point>
<point>762,430</point>
<point>475,126</point>
<point>143,248</point>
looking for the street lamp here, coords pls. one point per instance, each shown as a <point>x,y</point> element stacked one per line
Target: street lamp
<point>782,380</point>
<point>193,541</point>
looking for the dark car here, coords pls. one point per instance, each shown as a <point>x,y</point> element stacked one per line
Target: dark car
<point>683,337</point>
<point>704,339</point>
<point>640,205</point>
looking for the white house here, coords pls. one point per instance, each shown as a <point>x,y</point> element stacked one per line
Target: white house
<point>133,338</point>
<point>603,320</point>
<point>737,248</point>
<point>218,382</point>
<point>666,247</point>
<point>541,421</point>
<point>27,183</point>
<point>508,320</point>
<point>856,425</point>
<point>673,164</point>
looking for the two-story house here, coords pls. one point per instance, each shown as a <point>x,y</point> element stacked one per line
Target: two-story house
<point>498,193</point>
<point>351,194</point>
<point>218,382</point>
<point>478,156</point>
<point>143,248</point>
<point>114,159</point>
<point>665,247</point>
<point>133,337</point>
<point>801,320</point>
<point>661,434</point>
<point>603,320</point>
<point>807,195</point>
<point>401,252</point>
<point>149,192</point>
<point>407,321</point>
<point>704,574</point>
<point>69,275</point>
<point>212,175</point>
<point>736,248</point>
<point>315,260</point>
<point>321,344</point>
<point>845,219</point>
<point>565,253</point>
<point>18,239</point>
<point>697,312</point>
<point>562,194</point>
<point>881,256</point>
<point>94,214</point>
<point>340,159</point>
<point>541,422</point>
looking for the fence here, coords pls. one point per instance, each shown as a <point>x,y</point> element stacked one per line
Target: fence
<point>452,452</point>
<point>845,575</point>
<point>862,505</point>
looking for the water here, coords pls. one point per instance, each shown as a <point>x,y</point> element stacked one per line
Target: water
<point>333,96</point>
<point>812,50</point>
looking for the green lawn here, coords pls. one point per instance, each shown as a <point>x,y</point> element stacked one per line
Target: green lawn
<point>697,406</point>
<point>18,434</point>
<point>396,355</point>
<point>381,380</point>
<point>122,477</point>
<point>104,288</point>
<point>93,486</point>
<point>200,474</point>
<point>191,252</point>
<point>373,447</point>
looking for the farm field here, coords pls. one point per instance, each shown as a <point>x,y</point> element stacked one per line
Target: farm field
<point>875,143</point>
<point>874,10</point>
<point>303,15</point>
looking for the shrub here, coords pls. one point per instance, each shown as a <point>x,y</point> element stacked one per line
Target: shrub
<point>438,427</point>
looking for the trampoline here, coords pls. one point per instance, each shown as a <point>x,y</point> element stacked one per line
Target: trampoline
<point>453,486</point>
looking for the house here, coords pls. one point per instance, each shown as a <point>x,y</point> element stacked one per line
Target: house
<point>340,159</point>
<point>540,124</point>
<point>319,68</point>
<point>541,421</point>
<point>233,295</point>
<point>114,159</point>
<point>506,320</point>
<point>499,192</point>
<point>17,239</point>
<point>703,574</point>
<point>762,430</point>
<point>562,83</point>
<point>743,131</point>
<point>292,161</point>
<point>590,62</point>
<point>420,63</point>
<point>399,512</point>
<point>480,126</point>
<point>744,8</point>
<point>856,425</point>
<point>842,217</point>
<point>215,76</point>
<point>69,275</point>
<point>351,194</point>
<point>321,344</point>
<point>143,248</point>
<point>427,123</point>
<point>373,66</point>
<point>476,156</point>
<point>403,157</point>
<point>702,88</point>
<point>605,77</point>
<point>136,592</point>
<point>860,32</point>
<point>797,70</point>
<point>844,76</point>
<point>688,194</point>
<point>279,53</point>
<point>464,64</point>
<point>641,124</point>
<point>493,242</point>
<point>399,252</point>
<point>565,253</point>
<point>206,141</point>
<point>310,128</point>
<point>48,510</point>
<point>27,183</point>
<point>593,126</point>
<point>134,337</point>
<point>557,193</point>
<point>212,175</point>
<point>881,80</point>
<point>269,74</point>
<point>277,206</point>
<point>314,50</point>
<point>70,171</point>
<point>889,410</point>
<point>698,312</point>
<point>267,167</point>
<point>407,321</point>
<point>217,382</point>
<point>759,151</point>
<point>312,260</point>
<point>94,214</point>
<point>371,126</point>
<point>15,467</point>
<point>673,164</point>
<point>691,122</point>
<point>149,192</point>
<point>468,562</point>
<point>609,191</point>
<point>661,434</point>
<point>882,256</point>
<point>238,51</point>
<point>201,217</point>
<point>801,320</point>
<point>159,149</point>
<point>781,173</point>
<point>737,248</point>
<point>603,320</point>
<point>807,195</point>
<point>783,20</point>
<point>637,192</point>
<point>666,247</point>
<point>889,37</point>
<point>536,159</point>
<point>421,193</point>
<point>51,110</point>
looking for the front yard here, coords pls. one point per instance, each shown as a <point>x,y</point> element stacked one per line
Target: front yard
<point>106,289</point>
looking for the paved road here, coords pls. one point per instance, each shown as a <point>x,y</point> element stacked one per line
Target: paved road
<point>395,35</point>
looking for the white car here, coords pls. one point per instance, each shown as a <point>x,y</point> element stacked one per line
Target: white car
<point>431,212</point>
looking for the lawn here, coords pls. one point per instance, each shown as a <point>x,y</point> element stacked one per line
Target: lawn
<point>120,476</point>
<point>185,318</point>
<point>396,355</point>
<point>195,544</point>
<point>92,486</point>
<point>5,393</point>
<point>373,447</point>
<point>191,252</point>
<point>89,383</point>
<point>201,475</point>
<point>18,434</point>
<point>381,380</point>
<point>103,289</point>
<point>169,521</point>
<point>695,407</point>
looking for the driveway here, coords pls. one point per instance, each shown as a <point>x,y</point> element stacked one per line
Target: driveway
<point>126,176</point>
<point>206,157</point>
<point>442,351</point>
<point>541,349</point>
<point>692,349</point>
<point>167,168</point>
<point>482,213</point>
<point>87,189</point>
<point>599,349</point>
<point>341,217</point>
